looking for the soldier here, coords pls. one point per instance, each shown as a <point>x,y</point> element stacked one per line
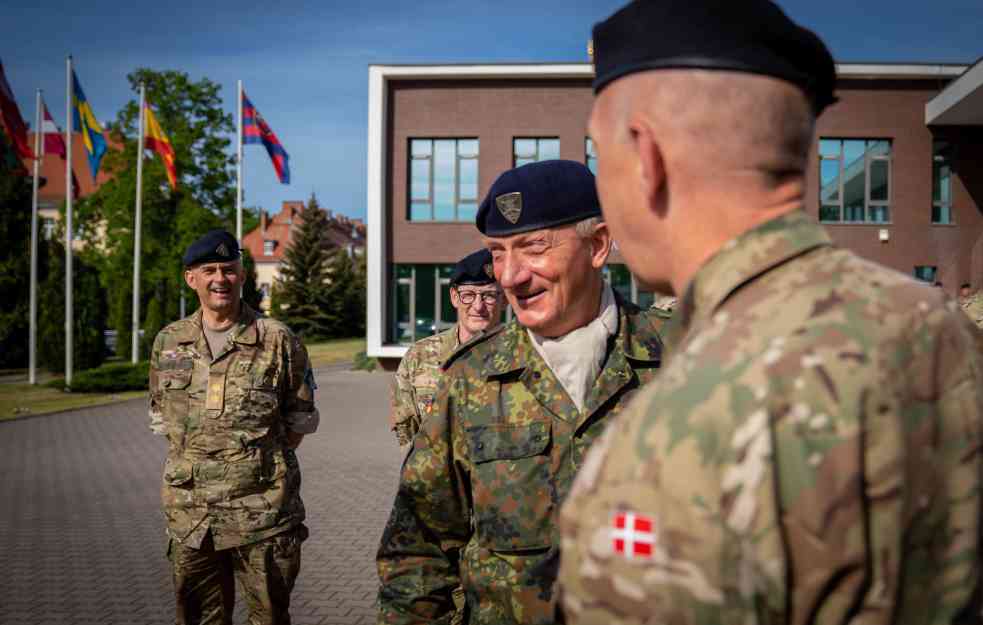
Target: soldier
<point>972,304</point>
<point>515,412</point>
<point>810,453</point>
<point>478,302</point>
<point>233,392</point>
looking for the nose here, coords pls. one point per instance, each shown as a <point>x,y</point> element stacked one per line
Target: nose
<point>511,271</point>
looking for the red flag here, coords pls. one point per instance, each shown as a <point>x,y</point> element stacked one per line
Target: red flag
<point>633,535</point>
<point>11,119</point>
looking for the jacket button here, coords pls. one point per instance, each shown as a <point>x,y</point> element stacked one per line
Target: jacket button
<point>536,375</point>
<point>481,445</point>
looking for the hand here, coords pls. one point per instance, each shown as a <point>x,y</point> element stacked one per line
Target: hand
<point>293,439</point>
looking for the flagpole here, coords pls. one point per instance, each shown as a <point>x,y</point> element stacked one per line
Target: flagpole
<point>239,162</point>
<point>33,331</point>
<point>69,313</point>
<point>135,340</point>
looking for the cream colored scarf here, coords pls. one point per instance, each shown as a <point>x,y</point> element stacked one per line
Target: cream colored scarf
<point>576,357</point>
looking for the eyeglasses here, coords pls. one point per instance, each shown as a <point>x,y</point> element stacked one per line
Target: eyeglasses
<point>468,297</point>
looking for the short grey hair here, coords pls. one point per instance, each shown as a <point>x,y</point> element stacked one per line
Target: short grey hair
<point>585,227</point>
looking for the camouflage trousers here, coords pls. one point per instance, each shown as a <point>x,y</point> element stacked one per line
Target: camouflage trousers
<point>204,579</point>
<point>458,596</point>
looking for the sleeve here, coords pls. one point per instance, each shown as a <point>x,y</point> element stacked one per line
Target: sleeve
<point>156,395</point>
<point>299,412</point>
<point>404,418</point>
<point>418,556</point>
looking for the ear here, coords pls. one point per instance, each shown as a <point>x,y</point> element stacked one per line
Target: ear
<point>651,164</point>
<point>455,298</point>
<point>600,245</point>
<point>191,279</point>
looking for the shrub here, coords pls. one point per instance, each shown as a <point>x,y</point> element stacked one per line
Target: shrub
<point>111,378</point>
<point>362,362</point>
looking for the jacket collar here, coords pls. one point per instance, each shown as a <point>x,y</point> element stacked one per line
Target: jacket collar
<point>245,333</point>
<point>746,257</point>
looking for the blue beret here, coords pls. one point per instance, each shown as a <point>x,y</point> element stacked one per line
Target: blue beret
<point>474,268</point>
<point>216,246</point>
<point>752,36</point>
<point>538,195</point>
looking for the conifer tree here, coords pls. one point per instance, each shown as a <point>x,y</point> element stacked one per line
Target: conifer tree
<point>302,298</point>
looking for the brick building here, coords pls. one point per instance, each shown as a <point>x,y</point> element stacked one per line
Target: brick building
<point>896,172</point>
<point>268,242</point>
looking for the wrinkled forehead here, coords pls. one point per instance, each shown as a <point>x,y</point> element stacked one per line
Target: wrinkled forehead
<point>547,235</point>
<point>210,267</point>
<point>478,288</point>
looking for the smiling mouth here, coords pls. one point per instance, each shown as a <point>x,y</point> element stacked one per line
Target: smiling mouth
<point>532,298</point>
<point>220,291</point>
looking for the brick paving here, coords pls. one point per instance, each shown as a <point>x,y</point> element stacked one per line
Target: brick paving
<point>82,536</point>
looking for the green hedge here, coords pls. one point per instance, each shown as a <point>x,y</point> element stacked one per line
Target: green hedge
<point>111,378</point>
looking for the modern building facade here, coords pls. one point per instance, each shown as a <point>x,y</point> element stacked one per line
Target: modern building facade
<point>896,172</point>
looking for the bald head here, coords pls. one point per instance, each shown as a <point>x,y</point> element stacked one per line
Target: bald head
<point>712,123</point>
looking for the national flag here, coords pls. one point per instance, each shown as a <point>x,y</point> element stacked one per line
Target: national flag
<point>157,141</point>
<point>633,535</point>
<point>256,130</point>
<point>11,119</point>
<point>9,160</point>
<point>88,126</point>
<point>54,141</point>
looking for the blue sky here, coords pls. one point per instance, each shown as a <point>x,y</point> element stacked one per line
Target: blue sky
<point>305,64</point>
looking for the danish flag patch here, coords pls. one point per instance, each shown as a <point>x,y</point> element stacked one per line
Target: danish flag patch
<point>633,535</point>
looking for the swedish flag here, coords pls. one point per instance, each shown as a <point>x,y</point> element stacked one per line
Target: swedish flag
<point>85,122</point>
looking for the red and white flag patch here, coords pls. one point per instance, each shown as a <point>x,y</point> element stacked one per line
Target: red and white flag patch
<point>633,535</point>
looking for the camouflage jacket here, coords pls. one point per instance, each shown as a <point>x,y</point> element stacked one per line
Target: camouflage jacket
<point>228,468</point>
<point>973,306</point>
<point>810,453</point>
<point>481,488</point>
<point>415,383</point>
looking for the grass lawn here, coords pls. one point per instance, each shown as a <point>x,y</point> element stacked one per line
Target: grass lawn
<point>336,351</point>
<point>17,400</point>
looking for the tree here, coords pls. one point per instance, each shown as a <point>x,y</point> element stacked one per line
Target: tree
<point>346,295</point>
<point>191,114</point>
<point>250,292</point>
<point>302,298</point>
<point>15,270</point>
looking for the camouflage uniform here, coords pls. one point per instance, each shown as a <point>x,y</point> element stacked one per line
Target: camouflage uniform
<point>810,453</point>
<point>480,491</point>
<point>415,383</point>
<point>231,490</point>
<point>973,306</point>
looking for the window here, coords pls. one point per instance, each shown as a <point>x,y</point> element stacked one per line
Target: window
<point>591,155</point>
<point>531,150</point>
<point>855,180</point>
<point>268,247</point>
<point>443,179</point>
<point>420,303</point>
<point>926,273</point>
<point>941,182</point>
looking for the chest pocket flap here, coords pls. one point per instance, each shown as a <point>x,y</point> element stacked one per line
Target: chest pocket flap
<point>507,442</point>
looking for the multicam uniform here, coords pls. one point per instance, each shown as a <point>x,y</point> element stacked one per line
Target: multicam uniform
<point>415,383</point>
<point>973,307</point>
<point>230,480</point>
<point>809,454</point>
<point>480,490</point>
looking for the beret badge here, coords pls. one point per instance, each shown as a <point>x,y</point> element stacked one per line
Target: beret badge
<point>490,271</point>
<point>221,250</point>
<point>510,205</point>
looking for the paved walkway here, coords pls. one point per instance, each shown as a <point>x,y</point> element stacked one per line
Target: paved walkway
<point>82,536</point>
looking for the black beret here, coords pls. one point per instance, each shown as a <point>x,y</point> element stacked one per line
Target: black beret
<point>752,36</point>
<point>215,246</point>
<point>538,195</point>
<point>474,268</point>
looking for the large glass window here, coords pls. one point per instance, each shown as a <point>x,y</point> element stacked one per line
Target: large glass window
<point>590,155</point>
<point>443,179</point>
<point>855,180</point>
<point>534,149</point>
<point>420,302</point>
<point>941,182</point>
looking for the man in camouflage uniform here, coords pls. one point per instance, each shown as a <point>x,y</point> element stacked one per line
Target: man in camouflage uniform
<point>972,304</point>
<point>233,392</point>
<point>516,412</point>
<point>478,302</point>
<point>810,452</point>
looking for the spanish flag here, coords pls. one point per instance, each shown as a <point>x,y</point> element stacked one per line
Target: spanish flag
<point>157,141</point>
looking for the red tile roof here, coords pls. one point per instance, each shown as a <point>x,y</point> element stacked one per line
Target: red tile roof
<point>53,170</point>
<point>343,231</point>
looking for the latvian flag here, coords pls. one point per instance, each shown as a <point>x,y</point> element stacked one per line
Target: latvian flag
<point>54,142</point>
<point>633,535</point>
<point>256,130</point>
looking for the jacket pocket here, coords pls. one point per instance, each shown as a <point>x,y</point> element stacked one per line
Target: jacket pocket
<point>175,392</point>
<point>178,472</point>
<point>512,485</point>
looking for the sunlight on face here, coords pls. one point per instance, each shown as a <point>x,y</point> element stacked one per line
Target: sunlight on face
<point>218,285</point>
